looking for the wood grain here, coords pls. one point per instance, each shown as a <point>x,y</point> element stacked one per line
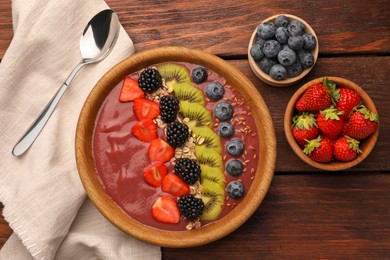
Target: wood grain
<point>224,29</point>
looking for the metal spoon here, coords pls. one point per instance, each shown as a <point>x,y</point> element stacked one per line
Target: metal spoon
<point>97,41</point>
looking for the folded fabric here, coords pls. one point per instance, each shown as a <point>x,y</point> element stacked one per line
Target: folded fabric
<point>44,201</point>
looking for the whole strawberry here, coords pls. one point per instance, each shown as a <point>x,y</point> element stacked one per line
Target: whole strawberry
<point>319,150</point>
<point>347,101</point>
<point>304,128</point>
<point>318,97</point>
<point>361,124</point>
<point>346,149</point>
<point>330,122</point>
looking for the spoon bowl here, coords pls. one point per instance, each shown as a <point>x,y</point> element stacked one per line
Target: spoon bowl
<point>97,41</point>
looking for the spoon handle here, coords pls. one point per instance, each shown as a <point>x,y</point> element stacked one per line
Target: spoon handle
<point>34,130</point>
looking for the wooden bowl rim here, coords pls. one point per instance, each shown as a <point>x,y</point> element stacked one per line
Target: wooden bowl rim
<point>366,147</point>
<point>121,220</point>
<point>288,81</point>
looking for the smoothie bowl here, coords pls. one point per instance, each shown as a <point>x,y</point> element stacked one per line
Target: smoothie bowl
<point>175,147</point>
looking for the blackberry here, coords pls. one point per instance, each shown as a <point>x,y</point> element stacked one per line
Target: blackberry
<point>190,207</point>
<point>177,134</point>
<point>188,170</point>
<point>150,80</point>
<point>168,109</point>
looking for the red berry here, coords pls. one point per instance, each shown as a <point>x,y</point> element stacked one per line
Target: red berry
<point>165,209</point>
<point>145,130</point>
<point>130,90</point>
<point>304,128</point>
<point>174,185</point>
<point>155,174</point>
<point>346,149</point>
<point>319,150</point>
<point>145,108</point>
<point>347,101</point>
<point>160,151</point>
<point>361,124</point>
<point>330,123</point>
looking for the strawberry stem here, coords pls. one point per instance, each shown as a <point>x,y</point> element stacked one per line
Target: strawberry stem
<point>330,86</point>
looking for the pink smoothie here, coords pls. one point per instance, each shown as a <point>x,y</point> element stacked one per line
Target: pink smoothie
<point>120,158</point>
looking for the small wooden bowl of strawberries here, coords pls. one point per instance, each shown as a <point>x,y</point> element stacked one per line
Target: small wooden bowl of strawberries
<point>331,123</point>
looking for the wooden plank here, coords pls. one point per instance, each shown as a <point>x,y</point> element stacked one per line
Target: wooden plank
<point>370,73</point>
<point>342,26</point>
<point>306,216</point>
<point>318,216</point>
<point>5,230</point>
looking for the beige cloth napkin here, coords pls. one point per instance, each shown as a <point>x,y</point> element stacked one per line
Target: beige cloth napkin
<point>45,203</point>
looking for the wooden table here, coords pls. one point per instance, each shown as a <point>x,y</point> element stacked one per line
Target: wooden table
<point>306,213</point>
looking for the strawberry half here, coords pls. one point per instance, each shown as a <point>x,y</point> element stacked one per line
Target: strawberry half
<point>130,90</point>
<point>330,122</point>
<point>174,185</point>
<point>304,128</point>
<point>347,101</point>
<point>361,124</point>
<point>159,150</point>
<point>155,174</point>
<point>145,108</point>
<point>145,130</point>
<point>346,149</point>
<point>319,150</point>
<point>318,97</point>
<point>165,210</point>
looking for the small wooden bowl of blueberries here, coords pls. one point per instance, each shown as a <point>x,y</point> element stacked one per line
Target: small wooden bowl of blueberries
<point>282,50</point>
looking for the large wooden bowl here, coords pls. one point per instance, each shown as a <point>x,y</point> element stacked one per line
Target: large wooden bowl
<point>267,78</point>
<point>366,145</point>
<point>266,154</point>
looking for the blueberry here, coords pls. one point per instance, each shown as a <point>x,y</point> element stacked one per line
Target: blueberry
<point>306,59</point>
<point>295,28</point>
<point>294,70</point>
<point>287,57</point>
<point>296,42</point>
<point>271,48</point>
<point>281,21</point>
<point>310,41</point>
<point>278,72</point>
<point>235,147</point>
<point>281,35</point>
<point>234,167</point>
<point>266,64</point>
<point>235,189</point>
<point>256,52</point>
<point>199,74</point>
<point>214,90</point>
<point>223,111</point>
<point>266,30</point>
<point>260,41</point>
<point>225,129</point>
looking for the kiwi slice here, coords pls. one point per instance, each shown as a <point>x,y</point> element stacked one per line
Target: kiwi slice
<point>213,196</point>
<point>214,174</point>
<point>185,92</point>
<point>199,116</point>
<point>174,74</point>
<point>208,156</point>
<point>211,138</point>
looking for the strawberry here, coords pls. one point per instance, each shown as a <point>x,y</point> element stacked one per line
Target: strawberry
<point>159,150</point>
<point>145,130</point>
<point>318,97</point>
<point>330,123</point>
<point>319,149</point>
<point>155,174</point>
<point>361,124</point>
<point>174,185</point>
<point>145,108</point>
<point>347,101</point>
<point>304,128</point>
<point>346,149</point>
<point>130,90</point>
<point>164,209</point>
